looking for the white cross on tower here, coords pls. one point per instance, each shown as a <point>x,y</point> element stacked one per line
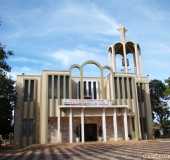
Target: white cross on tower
<point>122,31</point>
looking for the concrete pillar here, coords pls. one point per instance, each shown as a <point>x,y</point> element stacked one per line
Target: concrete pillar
<point>125,57</point>
<point>34,112</point>
<point>118,90</point>
<point>64,86</point>
<point>81,84</point>
<point>59,110</point>
<point>136,110</point>
<point>71,126</point>
<point>70,87</point>
<point>115,124</point>
<point>123,91</point>
<point>29,90</point>
<point>109,92</point>
<point>59,126</point>
<point>140,63</point>
<point>128,91</point>
<point>82,125</point>
<point>110,57</point>
<point>97,89</point>
<point>52,95</point>
<point>92,89</point>
<point>44,110</point>
<point>102,85</point>
<point>87,88</point>
<point>35,90</point>
<point>104,125</point>
<point>28,106</point>
<point>113,59</point>
<point>113,89</point>
<point>137,59</point>
<point>111,86</point>
<point>58,89</point>
<point>77,88</point>
<point>125,124</point>
<point>148,111</point>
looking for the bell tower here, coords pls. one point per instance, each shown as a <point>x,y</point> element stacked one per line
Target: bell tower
<point>124,48</point>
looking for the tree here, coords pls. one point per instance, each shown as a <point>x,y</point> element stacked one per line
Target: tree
<point>7,93</point>
<point>168,82</point>
<point>167,90</point>
<point>159,104</point>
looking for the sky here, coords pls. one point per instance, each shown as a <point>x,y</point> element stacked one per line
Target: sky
<point>54,34</point>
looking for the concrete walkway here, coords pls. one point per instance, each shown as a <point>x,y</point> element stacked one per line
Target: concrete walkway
<point>132,150</point>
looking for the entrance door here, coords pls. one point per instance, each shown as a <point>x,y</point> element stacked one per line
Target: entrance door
<point>90,132</point>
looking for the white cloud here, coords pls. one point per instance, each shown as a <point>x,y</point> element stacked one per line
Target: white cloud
<point>71,18</point>
<point>63,57</point>
<point>152,13</point>
<point>24,69</point>
<point>78,56</point>
<point>165,47</point>
<point>30,60</point>
<point>86,20</point>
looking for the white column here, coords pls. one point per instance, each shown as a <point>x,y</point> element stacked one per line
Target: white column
<point>58,89</point>
<point>82,125</point>
<point>125,57</point>
<point>52,96</point>
<point>115,124</point>
<point>125,124</point>
<point>148,111</point>
<point>140,63</point>
<point>137,60</point>
<point>118,90</point>
<point>58,125</point>
<point>44,110</point>
<point>87,88</point>
<point>123,90</point>
<point>64,86</point>
<point>71,126</point>
<point>77,88</point>
<point>113,59</point>
<point>29,90</point>
<point>92,90</point>
<point>110,56</point>
<point>104,125</point>
<point>97,90</point>
<point>111,87</point>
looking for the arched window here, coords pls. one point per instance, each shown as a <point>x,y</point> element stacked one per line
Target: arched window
<point>92,84</point>
<point>74,86</point>
<point>119,57</point>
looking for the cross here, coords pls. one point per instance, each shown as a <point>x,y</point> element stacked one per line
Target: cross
<point>122,31</point>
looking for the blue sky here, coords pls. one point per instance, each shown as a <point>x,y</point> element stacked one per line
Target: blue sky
<point>53,34</point>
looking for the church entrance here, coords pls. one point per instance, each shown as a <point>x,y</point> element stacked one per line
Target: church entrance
<point>90,132</point>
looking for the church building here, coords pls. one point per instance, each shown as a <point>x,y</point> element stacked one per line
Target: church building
<point>59,107</point>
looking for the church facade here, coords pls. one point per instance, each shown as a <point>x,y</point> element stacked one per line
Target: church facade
<point>58,107</point>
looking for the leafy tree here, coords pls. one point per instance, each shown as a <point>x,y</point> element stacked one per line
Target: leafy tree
<point>167,90</point>
<point>7,93</point>
<point>159,104</point>
<point>168,82</point>
<point>4,67</point>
